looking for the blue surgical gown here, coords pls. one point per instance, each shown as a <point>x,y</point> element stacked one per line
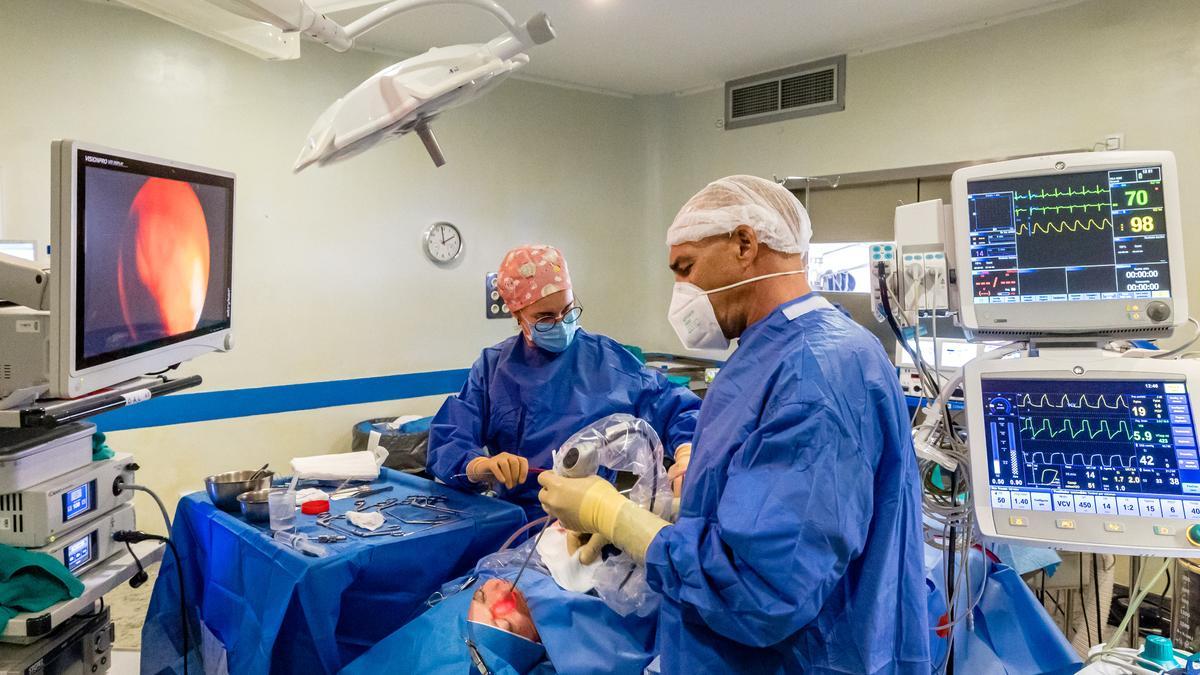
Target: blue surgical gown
<point>798,548</point>
<point>528,401</point>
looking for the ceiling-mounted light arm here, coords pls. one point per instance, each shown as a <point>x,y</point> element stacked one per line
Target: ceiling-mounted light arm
<point>407,96</point>
<point>519,38</point>
<point>377,16</point>
<point>298,16</point>
<point>292,16</point>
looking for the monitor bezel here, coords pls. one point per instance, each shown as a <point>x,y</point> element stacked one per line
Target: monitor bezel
<point>1084,365</point>
<point>1072,317</point>
<point>70,374</point>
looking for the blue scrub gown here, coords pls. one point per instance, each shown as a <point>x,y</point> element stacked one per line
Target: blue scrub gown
<point>798,548</point>
<point>528,401</point>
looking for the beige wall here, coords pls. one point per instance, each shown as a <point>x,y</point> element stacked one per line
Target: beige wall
<point>1058,80</point>
<point>330,282</point>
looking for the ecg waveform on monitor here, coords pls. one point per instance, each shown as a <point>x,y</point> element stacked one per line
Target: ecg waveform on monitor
<point>1063,226</point>
<point>1071,192</point>
<point>1074,429</point>
<point>1064,401</point>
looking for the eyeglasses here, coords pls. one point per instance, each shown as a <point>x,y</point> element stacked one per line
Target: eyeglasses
<point>546,324</point>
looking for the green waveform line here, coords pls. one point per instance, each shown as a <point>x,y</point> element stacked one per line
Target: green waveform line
<point>1065,402</point>
<point>1063,226</point>
<point>1057,193</point>
<point>1084,426</point>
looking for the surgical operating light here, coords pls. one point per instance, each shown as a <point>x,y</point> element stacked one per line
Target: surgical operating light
<point>399,99</point>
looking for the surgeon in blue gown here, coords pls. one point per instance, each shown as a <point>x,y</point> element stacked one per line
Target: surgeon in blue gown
<point>530,393</point>
<point>798,545</point>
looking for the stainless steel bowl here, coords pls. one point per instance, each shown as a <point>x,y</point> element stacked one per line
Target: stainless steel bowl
<point>254,506</point>
<point>223,489</point>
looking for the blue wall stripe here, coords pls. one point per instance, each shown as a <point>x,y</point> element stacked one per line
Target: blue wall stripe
<point>217,405</point>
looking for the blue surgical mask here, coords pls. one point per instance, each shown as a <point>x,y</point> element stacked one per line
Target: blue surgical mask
<point>556,339</point>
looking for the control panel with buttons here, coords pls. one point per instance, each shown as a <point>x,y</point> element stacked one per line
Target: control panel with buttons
<point>494,304</point>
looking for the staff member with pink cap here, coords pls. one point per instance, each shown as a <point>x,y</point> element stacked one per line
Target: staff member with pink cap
<point>530,393</point>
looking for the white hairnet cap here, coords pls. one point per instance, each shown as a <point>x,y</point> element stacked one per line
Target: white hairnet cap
<point>774,213</point>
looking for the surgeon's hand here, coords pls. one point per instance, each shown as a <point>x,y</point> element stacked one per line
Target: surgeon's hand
<point>593,505</point>
<point>683,456</point>
<point>506,468</point>
<point>588,545</point>
<point>578,502</point>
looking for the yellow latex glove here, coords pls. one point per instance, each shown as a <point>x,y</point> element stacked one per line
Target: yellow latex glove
<point>683,455</point>
<point>506,468</point>
<point>588,545</point>
<point>592,504</point>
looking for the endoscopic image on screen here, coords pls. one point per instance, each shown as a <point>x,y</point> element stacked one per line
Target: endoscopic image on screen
<point>154,260</point>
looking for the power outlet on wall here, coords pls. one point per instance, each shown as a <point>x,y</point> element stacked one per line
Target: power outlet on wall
<point>1114,141</point>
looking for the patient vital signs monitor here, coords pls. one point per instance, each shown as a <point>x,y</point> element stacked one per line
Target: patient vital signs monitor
<point>1099,452</point>
<point>1080,243</point>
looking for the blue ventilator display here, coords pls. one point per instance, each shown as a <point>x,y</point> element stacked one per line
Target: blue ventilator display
<point>1110,447</point>
<point>78,501</point>
<point>80,553</point>
<point>1099,235</point>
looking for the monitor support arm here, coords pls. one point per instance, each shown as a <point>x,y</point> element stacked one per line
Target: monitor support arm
<point>298,16</point>
<point>24,283</point>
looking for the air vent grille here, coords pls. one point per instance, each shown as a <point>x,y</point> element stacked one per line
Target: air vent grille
<point>808,89</point>
<point>12,501</point>
<point>756,99</point>
<point>6,371</point>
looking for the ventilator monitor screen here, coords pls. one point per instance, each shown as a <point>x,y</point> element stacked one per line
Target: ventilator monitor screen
<point>1113,447</point>
<point>1099,235</point>
<point>153,259</point>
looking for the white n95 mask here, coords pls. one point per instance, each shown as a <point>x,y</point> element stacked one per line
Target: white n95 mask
<point>692,315</point>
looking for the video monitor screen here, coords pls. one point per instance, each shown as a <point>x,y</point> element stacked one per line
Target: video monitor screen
<point>1111,447</point>
<point>153,257</point>
<point>1099,235</point>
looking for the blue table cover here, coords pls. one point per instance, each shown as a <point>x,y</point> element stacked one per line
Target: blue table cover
<point>277,611</point>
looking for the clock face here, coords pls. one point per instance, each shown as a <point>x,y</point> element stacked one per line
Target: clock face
<point>443,243</point>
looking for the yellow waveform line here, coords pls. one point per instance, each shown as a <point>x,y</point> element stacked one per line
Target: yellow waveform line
<point>1068,427</point>
<point>1063,226</point>
<point>1065,402</point>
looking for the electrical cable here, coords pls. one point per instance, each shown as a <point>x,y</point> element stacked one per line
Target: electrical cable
<point>523,528</point>
<point>141,577</point>
<point>1135,601</point>
<point>1087,626</point>
<point>136,536</point>
<point>1057,607</point>
<point>1096,590</point>
<point>885,302</point>
<point>1165,354</point>
<point>1162,598</point>
<point>162,508</point>
<point>183,623</point>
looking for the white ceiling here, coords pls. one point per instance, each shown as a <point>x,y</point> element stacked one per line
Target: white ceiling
<point>662,46</point>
